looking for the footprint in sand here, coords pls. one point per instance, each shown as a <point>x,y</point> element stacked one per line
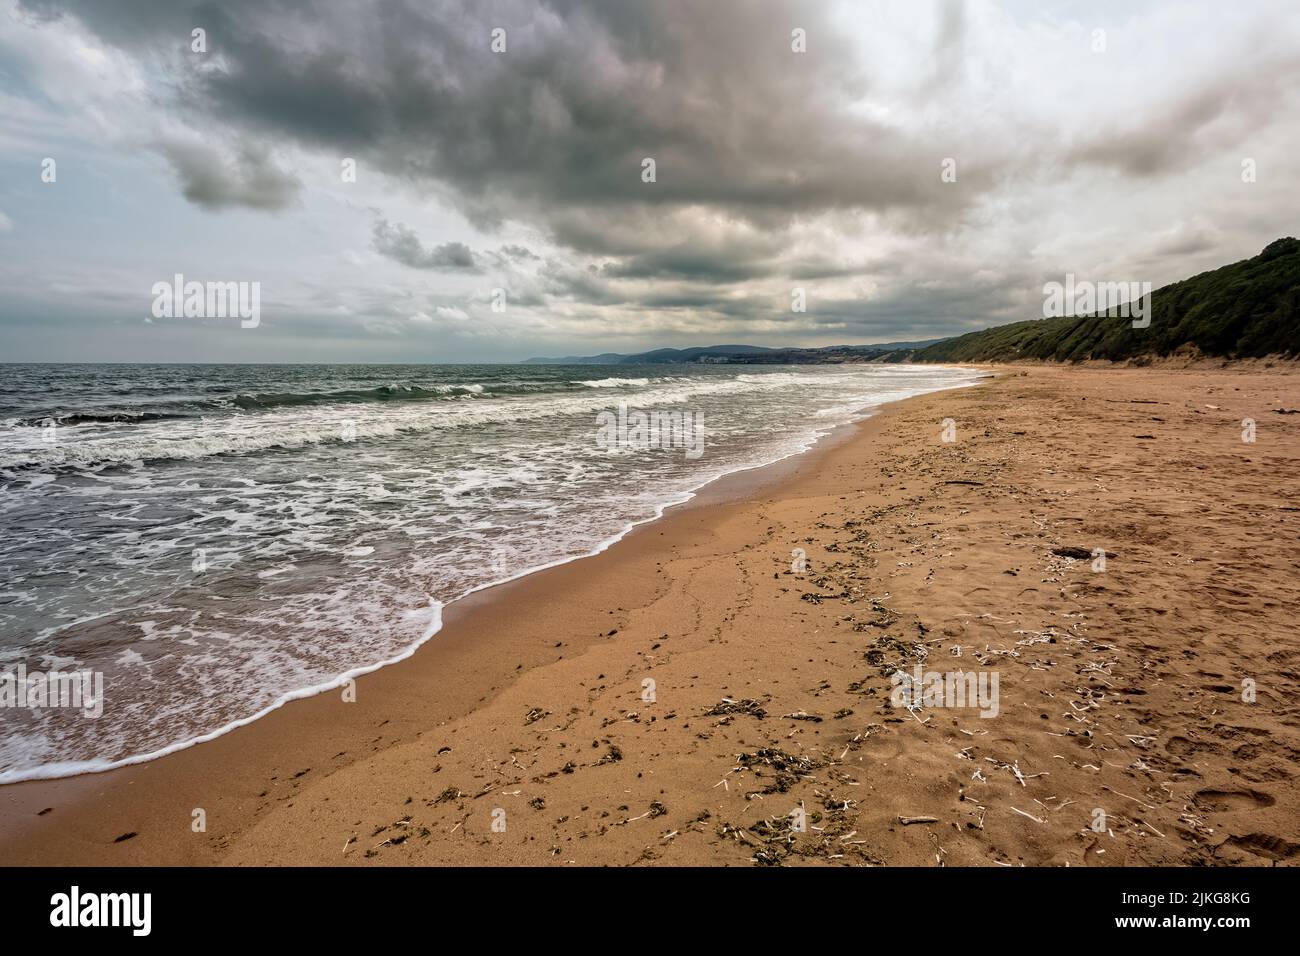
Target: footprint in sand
<point>1265,845</point>
<point>1226,800</point>
<point>1183,747</point>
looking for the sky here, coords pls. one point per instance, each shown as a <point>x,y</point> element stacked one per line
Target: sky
<point>909,170</point>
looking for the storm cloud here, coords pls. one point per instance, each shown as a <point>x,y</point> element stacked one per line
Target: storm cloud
<point>400,243</point>
<point>247,178</point>
<point>915,168</point>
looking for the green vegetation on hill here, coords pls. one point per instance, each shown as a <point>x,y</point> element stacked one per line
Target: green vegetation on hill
<point>1244,310</point>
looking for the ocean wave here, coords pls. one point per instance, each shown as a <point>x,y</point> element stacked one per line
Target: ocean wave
<point>256,402</point>
<point>251,402</point>
<point>101,417</point>
<point>243,434</point>
<point>382,393</point>
<point>615,382</point>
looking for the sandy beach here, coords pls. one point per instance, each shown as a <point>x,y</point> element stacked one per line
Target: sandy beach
<point>674,699</point>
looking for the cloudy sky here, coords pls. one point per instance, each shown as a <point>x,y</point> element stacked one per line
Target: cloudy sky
<point>1106,139</point>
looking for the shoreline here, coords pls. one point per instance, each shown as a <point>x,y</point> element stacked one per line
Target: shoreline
<point>818,438</point>
<point>19,797</point>
<point>683,597</point>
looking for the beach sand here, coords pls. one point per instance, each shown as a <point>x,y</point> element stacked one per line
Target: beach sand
<point>1121,738</point>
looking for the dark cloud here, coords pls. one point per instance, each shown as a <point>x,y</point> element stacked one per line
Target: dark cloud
<point>584,92</point>
<point>693,260</point>
<point>517,253</point>
<point>246,178</point>
<point>400,243</point>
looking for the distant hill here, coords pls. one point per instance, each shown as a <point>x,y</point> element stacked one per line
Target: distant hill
<point>1244,310</point>
<point>746,355</point>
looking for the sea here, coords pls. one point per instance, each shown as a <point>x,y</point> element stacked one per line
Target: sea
<point>212,541</point>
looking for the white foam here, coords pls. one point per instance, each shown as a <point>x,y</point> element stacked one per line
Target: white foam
<point>615,382</point>
<point>72,768</point>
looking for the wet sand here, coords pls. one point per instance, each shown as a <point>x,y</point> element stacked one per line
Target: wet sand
<point>675,698</point>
